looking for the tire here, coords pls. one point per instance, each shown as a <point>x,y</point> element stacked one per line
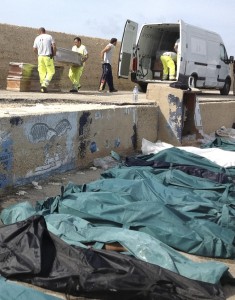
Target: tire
<point>226,88</point>
<point>143,87</point>
<point>192,81</point>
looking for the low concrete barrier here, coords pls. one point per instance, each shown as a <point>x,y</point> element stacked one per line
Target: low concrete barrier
<point>39,140</point>
<point>190,113</point>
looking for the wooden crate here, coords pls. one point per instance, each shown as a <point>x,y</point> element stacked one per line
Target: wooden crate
<point>18,84</point>
<point>24,77</point>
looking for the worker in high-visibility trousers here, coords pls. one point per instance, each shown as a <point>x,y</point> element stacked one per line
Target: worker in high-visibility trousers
<point>168,60</point>
<point>44,46</point>
<point>75,72</point>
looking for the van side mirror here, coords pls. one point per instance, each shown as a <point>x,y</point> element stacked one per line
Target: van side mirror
<point>231,58</point>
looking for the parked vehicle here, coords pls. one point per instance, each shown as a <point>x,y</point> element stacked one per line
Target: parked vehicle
<point>202,59</point>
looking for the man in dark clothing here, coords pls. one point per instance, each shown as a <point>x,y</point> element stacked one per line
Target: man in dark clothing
<point>107,76</point>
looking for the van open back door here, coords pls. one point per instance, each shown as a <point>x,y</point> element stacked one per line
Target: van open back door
<point>182,50</point>
<point>127,48</point>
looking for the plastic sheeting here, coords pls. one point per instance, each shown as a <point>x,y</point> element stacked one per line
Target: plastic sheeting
<point>223,156</point>
<point>144,208</point>
<point>76,231</point>
<point>31,254</point>
<point>13,291</point>
<point>222,143</point>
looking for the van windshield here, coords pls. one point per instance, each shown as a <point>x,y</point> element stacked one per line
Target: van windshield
<point>223,53</point>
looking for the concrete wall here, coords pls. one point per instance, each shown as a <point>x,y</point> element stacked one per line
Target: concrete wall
<point>215,114</point>
<point>177,117</point>
<point>24,37</point>
<point>171,112</point>
<point>35,145</point>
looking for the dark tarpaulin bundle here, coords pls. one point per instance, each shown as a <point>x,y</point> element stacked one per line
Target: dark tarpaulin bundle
<point>29,253</point>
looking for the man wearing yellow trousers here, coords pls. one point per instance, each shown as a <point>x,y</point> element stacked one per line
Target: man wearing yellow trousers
<point>168,60</point>
<point>75,72</point>
<point>44,46</point>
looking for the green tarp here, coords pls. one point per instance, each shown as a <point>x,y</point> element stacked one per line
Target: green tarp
<point>150,212</point>
<point>12,291</point>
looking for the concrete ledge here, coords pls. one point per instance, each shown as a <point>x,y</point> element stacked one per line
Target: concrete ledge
<point>171,104</point>
<point>183,113</point>
<point>216,112</point>
<point>39,140</point>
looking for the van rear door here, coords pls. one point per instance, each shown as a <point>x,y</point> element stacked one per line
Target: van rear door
<point>182,50</point>
<point>127,48</point>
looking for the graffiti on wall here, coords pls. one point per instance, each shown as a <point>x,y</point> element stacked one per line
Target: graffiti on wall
<point>42,132</point>
<point>16,121</point>
<point>175,115</point>
<point>84,130</point>
<point>6,159</point>
<point>50,133</point>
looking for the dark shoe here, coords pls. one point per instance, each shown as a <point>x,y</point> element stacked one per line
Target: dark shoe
<point>113,91</point>
<point>73,91</point>
<point>43,89</point>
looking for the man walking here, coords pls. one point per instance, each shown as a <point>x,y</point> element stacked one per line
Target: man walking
<point>107,76</point>
<point>75,72</point>
<point>44,46</point>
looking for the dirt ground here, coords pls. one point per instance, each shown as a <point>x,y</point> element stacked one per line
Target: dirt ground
<point>49,187</point>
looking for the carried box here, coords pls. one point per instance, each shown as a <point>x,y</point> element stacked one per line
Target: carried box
<point>68,57</point>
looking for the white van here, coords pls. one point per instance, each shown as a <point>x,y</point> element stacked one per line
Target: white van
<point>202,60</point>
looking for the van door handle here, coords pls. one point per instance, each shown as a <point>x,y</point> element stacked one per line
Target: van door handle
<point>218,66</point>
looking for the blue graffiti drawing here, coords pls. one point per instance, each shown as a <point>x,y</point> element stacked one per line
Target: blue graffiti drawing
<point>42,132</point>
<point>62,127</point>
<point>15,121</point>
<point>84,133</point>
<point>175,116</point>
<point>84,123</point>
<point>93,147</point>
<point>6,161</point>
<point>117,142</point>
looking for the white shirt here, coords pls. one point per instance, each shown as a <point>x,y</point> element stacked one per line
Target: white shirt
<point>43,44</point>
<point>82,49</point>
<point>109,54</point>
<point>173,55</point>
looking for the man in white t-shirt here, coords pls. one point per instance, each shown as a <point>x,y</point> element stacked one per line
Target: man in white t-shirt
<point>75,72</point>
<point>44,46</point>
<point>107,76</point>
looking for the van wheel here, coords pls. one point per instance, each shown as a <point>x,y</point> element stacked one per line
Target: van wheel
<point>143,87</point>
<point>226,88</point>
<point>192,81</point>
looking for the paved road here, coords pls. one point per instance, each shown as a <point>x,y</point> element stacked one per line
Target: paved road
<point>119,98</point>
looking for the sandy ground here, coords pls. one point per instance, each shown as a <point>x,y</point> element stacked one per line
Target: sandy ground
<point>49,187</point>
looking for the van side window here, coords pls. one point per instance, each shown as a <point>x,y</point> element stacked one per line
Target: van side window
<point>223,53</point>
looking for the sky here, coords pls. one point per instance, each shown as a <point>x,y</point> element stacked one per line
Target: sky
<point>106,19</point>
